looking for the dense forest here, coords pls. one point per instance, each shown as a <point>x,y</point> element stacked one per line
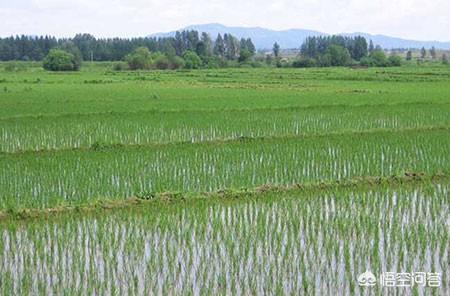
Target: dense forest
<point>27,48</point>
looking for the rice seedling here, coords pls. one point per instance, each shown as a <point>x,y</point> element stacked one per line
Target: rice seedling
<point>311,242</point>
<point>48,178</point>
<point>153,127</point>
<point>82,138</point>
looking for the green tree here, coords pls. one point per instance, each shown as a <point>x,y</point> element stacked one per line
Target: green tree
<point>379,58</point>
<point>176,62</point>
<point>359,48</point>
<point>395,61</point>
<point>246,50</point>
<point>409,55</point>
<point>71,48</point>
<point>179,44</point>
<point>60,60</point>
<point>244,55</point>
<point>219,46</point>
<point>339,55</point>
<point>85,43</point>
<point>192,60</point>
<point>203,48</point>
<point>444,59</point>
<point>250,46</point>
<point>423,53</point>
<point>433,53</point>
<point>231,46</point>
<point>161,61</point>
<point>139,59</point>
<point>371,46</point>
<point>276,50</point>
<point>304,62</point>
<point>168,49</point>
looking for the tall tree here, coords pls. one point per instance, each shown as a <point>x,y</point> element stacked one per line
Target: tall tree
<point>219,46</point>
<point>179,44</point>
<point>371,46</point>
<point>423,53</point>
<point>231,46</point>
<point>276,49</point>
<point>409,55</point>
<point>250,46</point>
<point>358,48</point>
<point>206,39</point>
<point>433,53</point>
<point>85,43</point>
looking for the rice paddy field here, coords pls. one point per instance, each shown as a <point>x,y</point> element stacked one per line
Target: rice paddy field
<point>230,182</point>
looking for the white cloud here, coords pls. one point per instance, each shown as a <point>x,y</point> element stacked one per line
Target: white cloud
<point>404,18</point>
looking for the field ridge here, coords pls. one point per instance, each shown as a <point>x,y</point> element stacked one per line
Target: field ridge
<point>102,204</point>
<point>220,110</point>
<point>220,141</point>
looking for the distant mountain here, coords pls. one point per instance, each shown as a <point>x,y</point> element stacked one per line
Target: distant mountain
<point>293,38</point>
<point>394,42</point>
<point>262,38</point>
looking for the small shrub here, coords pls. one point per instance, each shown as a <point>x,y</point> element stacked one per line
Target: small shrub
<point>15,66</point>
<point>377,59</point>
<point>395,61</point>
<point>162,62</point>
<point>444,59</point>
<point>304,62</point>
<point>176,62</point>
<point>120,66</point>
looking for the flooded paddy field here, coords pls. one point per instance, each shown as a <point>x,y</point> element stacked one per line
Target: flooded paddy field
<point>296,242</point>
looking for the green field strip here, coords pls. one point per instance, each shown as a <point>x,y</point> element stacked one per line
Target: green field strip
<point>40,180</point>
<point>224,141</point>
<point>173,199</point>
<point>414,104</point>
<point>295,242</point>
<point>69,132</point>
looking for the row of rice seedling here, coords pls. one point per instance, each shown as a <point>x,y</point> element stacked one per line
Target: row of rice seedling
<point>297,243</point>
<point>75,131</point>
<point>41,179</point>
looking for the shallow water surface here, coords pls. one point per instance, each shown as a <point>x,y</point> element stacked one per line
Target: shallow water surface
<point>310,242</point>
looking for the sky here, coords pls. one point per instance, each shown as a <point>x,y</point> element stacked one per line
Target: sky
<point>412,19</point>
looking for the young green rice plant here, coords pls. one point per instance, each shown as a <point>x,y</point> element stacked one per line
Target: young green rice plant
<point>314,242</point>
<point>46,179</point>
<point>147,128</point>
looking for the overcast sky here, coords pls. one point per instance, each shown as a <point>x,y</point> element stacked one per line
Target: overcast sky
<point>415,19</point>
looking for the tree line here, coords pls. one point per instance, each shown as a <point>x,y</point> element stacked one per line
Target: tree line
<point>337,50</point>
<point>87,47</point>
<point>191,49</point>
